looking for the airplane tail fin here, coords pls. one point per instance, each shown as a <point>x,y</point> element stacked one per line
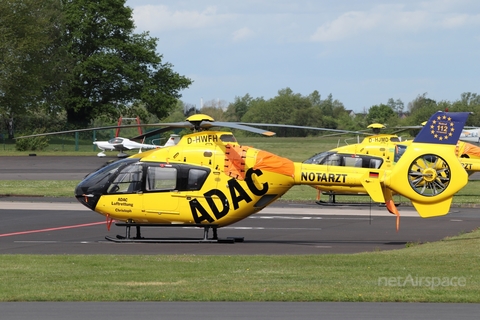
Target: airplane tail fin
<point>143,142</point>
<point>173,140</point>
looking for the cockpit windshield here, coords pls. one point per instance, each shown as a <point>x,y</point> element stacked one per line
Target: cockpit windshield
<point>128,180</point>
<point>115,140</point>
<point>95,184</point>
<point>101,177</point>
<point>318,158</point>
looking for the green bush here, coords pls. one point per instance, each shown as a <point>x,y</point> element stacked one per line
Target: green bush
<point>31,144</point>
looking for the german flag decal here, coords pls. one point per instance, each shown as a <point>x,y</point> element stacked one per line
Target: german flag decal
<point>374,175</point>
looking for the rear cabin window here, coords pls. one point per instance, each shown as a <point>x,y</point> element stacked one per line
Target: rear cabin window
<point>362,161</point>
<point>196,178</point>
<point>349,160</point>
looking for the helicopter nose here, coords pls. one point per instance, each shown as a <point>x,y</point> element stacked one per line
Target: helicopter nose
<point>89,200</point>
<point>89,191</point>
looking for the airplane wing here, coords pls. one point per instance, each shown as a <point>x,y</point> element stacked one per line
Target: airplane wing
<point>130,145</point>
<point>121,146</point>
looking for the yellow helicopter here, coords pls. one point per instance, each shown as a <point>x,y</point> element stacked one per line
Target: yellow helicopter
<point>375,151</point>
<point>208,180</point>
<point>382,150</point>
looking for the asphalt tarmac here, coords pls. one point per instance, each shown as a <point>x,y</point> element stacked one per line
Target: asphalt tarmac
<point>59,225</point>
<point>237,310</point>
<point>49,167</point>
<point>69,228</point>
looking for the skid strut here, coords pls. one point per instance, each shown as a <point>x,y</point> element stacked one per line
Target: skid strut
<point>138,236</point>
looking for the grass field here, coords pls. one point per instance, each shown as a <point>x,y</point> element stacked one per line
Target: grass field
<point>445,271</point>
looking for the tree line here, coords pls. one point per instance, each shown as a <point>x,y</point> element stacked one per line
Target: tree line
<point>81,60</point>
<point>76,63</point>
<point>292,108</point>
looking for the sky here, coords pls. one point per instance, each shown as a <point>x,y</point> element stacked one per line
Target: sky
<point>361,52</point>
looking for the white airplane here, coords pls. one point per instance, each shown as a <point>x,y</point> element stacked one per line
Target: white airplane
<point>119,144</point>
<point>470,135</point>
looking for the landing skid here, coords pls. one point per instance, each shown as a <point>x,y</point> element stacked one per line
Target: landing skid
<point>341,204</point>
<point>332,201</point>
<point>138,237</point>
<point>350,204</point>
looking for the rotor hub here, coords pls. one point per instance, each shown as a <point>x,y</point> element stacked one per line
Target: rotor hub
<point>429,174</point>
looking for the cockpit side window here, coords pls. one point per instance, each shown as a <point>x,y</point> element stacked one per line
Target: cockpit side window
<point>161,178</point>
<point>128,180</point>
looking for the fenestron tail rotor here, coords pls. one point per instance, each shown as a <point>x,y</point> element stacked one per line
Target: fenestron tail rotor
<point>429,175</point>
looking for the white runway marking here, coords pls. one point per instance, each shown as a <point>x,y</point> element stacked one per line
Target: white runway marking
<point>284,210</point>
<point>262,228</point>
<point>35,241</point>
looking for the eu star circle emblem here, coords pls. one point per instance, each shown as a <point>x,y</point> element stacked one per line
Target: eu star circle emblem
<point>442,128</point>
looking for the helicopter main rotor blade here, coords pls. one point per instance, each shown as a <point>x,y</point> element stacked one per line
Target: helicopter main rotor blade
<point>171,125</point>
<point>207,125</point>
<point>344,133</point>
<point>405,128</point>
<point>236,125</point>
<point>193,125</point>
<point>300,127</point>
<point>153,132</point>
